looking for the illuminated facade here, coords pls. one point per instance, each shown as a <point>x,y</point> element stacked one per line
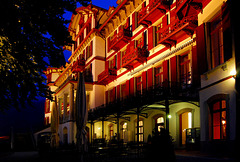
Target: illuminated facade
<point>149,64</point>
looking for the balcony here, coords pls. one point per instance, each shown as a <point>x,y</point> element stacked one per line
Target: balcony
<point>188,7</point>
<point>171,33</point>
<point>107,76</point>
<point>133,56</point>
<point>78,65</point>
<point>153,11</point>
<point>120,39</point>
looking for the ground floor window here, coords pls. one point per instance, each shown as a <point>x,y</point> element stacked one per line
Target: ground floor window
<point>159,123</point>
<point>218,120</point>
<point>140,128</point>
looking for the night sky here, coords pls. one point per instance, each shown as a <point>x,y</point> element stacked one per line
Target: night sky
<point>32,118</point>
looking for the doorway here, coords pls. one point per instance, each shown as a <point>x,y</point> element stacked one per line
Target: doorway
<point>185,122</point>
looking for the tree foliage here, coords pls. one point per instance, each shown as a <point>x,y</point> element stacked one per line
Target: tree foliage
<point>30,32</point>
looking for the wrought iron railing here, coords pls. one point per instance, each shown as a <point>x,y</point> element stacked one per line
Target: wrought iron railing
<point>160,92</point>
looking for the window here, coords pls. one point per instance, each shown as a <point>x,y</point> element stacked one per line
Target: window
<point>159,123</point>
<point>111,131</point>
<point>185,73</point>
<point>47,106</point>
<point>158,75</point>
<point>89,51</point>
<point>140,129</point>
<point>156,35</point>
<point>112,63</point>
<point>220,38</point>
<point>218,120</point>
<point>139,42</point>
<point>124,131</point>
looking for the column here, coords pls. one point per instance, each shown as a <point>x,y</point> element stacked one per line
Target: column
<point>65,107</point>
<point>71,102</point>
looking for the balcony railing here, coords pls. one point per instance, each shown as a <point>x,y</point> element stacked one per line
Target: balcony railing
<point>169,34</point>
<point>78,65</point>
<point>107,76</point>
<point>153,11</point>
<point>173,91</point>
<point>181,4</point>
<point>137,55</point>
<point>120,39</point>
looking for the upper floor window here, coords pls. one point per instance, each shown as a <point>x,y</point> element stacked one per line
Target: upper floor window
<point>220,38</point>
<point>185,69</point>
<point>113,63</point>
<point>158,75</point>
<point>47,106</point>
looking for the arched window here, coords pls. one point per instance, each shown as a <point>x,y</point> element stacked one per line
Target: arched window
<point>159,123</point>
<point>219,120</point>
<point>218,116</point>
<point>140,128</point>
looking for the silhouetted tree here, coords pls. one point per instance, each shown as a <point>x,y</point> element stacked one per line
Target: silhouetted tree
<point>31,31</point>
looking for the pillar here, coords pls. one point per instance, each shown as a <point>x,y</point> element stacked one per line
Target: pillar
<point>71,102</point>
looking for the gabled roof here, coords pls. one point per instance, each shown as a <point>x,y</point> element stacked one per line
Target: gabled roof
<point>82,11</point>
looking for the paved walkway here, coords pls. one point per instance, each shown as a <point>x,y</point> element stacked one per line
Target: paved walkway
<point>63,156</point>
<point>197,156</point>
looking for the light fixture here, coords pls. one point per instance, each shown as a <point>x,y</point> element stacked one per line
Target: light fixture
<point>233,73</point>
<point>169,116</point>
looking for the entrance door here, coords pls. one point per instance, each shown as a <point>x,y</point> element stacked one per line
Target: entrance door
<point>185,121</point>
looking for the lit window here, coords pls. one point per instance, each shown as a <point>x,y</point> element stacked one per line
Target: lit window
<point>219,121</point>
<point>185,73</point>
<point>159,123</point>
<point>140,129</point>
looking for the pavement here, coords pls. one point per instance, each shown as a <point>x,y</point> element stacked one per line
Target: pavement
<point>63,156</point>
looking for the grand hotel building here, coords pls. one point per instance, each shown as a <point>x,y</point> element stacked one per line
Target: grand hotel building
<point>150,64</point>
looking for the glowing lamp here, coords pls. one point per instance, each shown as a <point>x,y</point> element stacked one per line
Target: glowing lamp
<point>233,73</point>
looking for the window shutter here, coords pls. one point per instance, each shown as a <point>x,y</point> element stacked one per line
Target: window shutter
<point>195,73</point>
<point>114,94</point>
<point>91,48</point>
<point>133,21</point>
<point>115,61</point>
<point>144,80</point>
<point>150,38</point>
<point>108,42</point>
<point>164,21</point>
<point>150,77</point>
<point>173,62</point>
<point>118,60</point>
<point>106,96</point>
<point>106,64</point>
<point>172,15</point>
<point>165,70</point>
<point>201,49</point>
<point>118,92</point>
<point>127,87</point>
<point>132,86</point>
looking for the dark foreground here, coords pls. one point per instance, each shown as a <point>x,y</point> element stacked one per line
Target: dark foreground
<point>63,156</point>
